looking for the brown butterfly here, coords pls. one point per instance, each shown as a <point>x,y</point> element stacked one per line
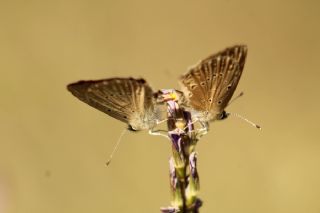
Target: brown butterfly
<point>209,86</point>
<point>207,89</point>
<point>126,99</point>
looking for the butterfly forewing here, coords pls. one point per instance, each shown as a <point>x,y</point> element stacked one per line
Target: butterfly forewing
<point>126,99</point>
<point>209,86</point>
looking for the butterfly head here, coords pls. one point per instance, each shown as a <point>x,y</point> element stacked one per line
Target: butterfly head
<point>207,116</point>
<point>222,115</point>
<point>217,116</point>
<point>131,129</point>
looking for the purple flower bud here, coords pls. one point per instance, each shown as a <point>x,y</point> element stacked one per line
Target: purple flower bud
<point>193,165</point>
<point>187,116</point>
<point>176,140</point>
<point>197,205</point>
<point>169,210</point>
<point>173,175</point>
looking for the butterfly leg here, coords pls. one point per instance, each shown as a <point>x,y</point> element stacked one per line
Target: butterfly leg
<point>204,128</point>
<point>158,132</point>
<point>199,132</point>
<point>160,122</point>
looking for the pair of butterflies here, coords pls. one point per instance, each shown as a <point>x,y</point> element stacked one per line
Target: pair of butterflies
<point>207,89</point>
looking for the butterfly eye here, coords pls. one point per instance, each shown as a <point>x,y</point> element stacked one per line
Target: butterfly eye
<point>219,102</point>
<point>229,86</point>
<point>130,128</point>
<point>210,100</point>
<point>223,115</point>
<point>193,86</point>
<point>202,83</point>
<point>208,79</point>
<point>125,117</point>
<point>141,81</point>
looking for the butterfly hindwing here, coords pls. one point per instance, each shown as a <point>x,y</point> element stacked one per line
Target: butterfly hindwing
<point>125,99</point>
<point>210,85</point>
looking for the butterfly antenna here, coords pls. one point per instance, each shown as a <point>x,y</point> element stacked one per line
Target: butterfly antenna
<point>235,98</point>
<point>116,147</point>
<point>245,119</point>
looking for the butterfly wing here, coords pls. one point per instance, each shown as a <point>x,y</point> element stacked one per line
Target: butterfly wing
<point>209,86</point>
<point>125,99</point>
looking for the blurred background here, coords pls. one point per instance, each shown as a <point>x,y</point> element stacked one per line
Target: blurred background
<point>53,148</point>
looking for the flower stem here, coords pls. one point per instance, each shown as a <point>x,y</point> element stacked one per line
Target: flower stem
<point>184,179</point>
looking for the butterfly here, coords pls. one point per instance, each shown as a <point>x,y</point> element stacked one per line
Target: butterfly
<point>209,86</point>
<point>129,100</point>
<point>206,91</point>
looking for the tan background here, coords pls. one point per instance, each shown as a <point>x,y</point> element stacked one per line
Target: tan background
<point>53,147</point>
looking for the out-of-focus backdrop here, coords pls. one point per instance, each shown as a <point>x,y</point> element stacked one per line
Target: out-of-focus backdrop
<point>53,147</point>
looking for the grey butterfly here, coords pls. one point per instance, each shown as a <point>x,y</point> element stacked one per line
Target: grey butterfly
<point>209,86</point>
<point>126,99</point>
